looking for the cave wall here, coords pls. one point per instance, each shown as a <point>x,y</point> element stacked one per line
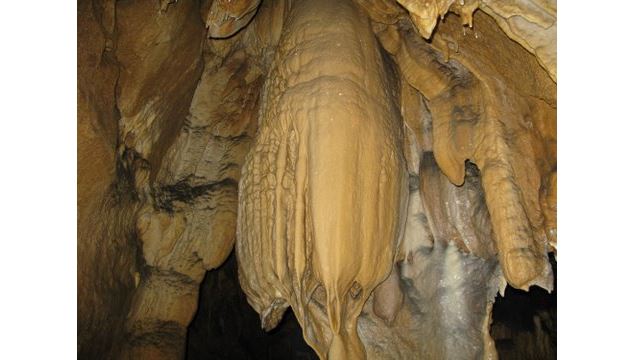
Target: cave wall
<point>128,110</point>
<point>105,200</point>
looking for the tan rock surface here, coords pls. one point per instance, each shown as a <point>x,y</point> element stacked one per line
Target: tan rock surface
<point>515,149</point>
<point>531,23</point>
<point>188,224</point>
<point>226,17</point>
<point>466,103</point>
<point>309,236</point>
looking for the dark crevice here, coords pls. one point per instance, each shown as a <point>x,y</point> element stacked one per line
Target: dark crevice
<point>524,323</point>
<point>184,192</point>
<point>225,326</point>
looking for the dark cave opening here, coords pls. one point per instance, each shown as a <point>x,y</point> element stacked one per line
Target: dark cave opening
<point>524,323</point>
<point>226,327</point>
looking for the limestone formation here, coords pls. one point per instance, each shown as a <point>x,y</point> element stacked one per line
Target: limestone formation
<point>531,23</point>
<point>382,169</point>
<point>329,135</point>
<point>226,17</point>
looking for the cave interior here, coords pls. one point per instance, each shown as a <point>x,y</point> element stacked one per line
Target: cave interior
<point>316,179</point>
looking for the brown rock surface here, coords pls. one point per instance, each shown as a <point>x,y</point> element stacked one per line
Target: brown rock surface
<point>160,54</point>
<point>105,208</point>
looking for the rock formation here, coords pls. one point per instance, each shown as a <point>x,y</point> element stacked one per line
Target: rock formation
<point>382,169</point>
